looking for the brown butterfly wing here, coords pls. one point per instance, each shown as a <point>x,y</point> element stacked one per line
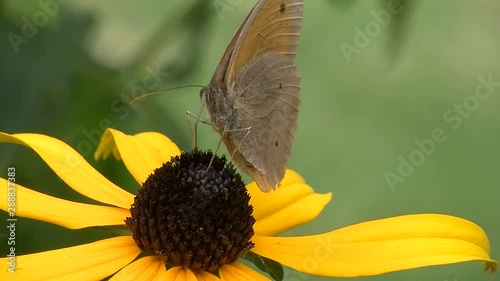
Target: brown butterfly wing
<point>266,100</point>
<point>220,72</point>
<point>273,26</point>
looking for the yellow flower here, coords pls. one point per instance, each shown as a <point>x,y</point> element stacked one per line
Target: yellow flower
<point>368,248</point>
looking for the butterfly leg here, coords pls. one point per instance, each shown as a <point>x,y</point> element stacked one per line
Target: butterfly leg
<point>194,129</point>
<point>215,153</point>
<point>248,129</point>
<point>220,142</point>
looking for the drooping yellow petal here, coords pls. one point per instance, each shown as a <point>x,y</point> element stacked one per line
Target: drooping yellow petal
<point>73,215</point>
<point>292,188</point>
<point>381,246</point>
<point>93,261</point>
<point>292,204</point>
<point>72,168</point>
<point>240,272</point>
<point>301,211</point>
<point>143,269</point>
<point>258,196</point>
<point>167,148</point>
<point>141,153</point>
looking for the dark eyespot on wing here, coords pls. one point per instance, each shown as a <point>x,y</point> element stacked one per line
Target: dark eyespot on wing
<point>282,8</point>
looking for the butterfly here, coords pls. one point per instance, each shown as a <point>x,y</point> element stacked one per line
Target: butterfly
<point>254,95</point>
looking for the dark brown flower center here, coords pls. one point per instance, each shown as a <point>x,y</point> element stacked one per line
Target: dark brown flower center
<point>193,215</point>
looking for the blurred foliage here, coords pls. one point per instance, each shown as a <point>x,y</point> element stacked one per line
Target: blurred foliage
<point>77,73</point>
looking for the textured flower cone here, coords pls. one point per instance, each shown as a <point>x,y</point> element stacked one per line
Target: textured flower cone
<point>193,212</point>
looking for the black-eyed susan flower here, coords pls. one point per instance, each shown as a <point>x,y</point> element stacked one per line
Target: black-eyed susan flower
<point>192,219</point>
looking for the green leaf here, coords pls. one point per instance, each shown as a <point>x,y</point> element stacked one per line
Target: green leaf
<point>115,229</point>
<point>271,267</point>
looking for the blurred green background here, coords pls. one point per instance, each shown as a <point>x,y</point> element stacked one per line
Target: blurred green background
<point>362,112</point>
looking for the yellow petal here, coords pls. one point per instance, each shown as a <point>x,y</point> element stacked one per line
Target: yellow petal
<point>205,276</point>
<point>161,274</point>
<point>189,275</point>
<point>301,211</point>
<point>141,153</point>
<point>179,273</point>
<point>72,168</point>
<point>240,272</point>
<point>381,246</point>
<point>143,269</point>
<point>93,261</point>
<point>292,189</point>
<point>38,206</point>
<point>249,271</point>
<point>292,204</point>
<point>290,177</point>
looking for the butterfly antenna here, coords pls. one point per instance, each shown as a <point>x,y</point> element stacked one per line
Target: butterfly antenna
<point>166,90</point>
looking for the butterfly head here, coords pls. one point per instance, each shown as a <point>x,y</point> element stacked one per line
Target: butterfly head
<point>214,98</point>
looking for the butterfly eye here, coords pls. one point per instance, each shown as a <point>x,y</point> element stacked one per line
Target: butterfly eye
<point>208,95</point>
